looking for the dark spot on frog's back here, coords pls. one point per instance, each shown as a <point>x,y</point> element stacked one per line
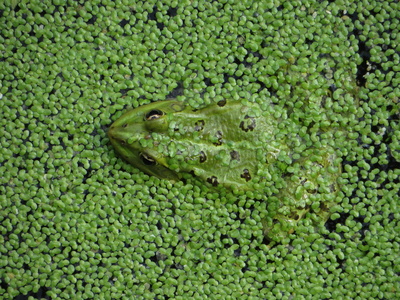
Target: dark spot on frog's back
<point>203,156</point>
<point>235,155</point>
<point>333,188</point>
<point>218,135</point>
<point>249,123</point>
<point>245,175</point>
<point>295,216</point>
<point>322,206</point>
<point>213,180</point>
<point>221,103</point>
<point>199,125</point>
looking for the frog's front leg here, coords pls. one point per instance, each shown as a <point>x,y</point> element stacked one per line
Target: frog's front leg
<point>310,185</point>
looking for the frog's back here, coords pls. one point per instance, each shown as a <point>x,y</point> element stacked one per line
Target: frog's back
<point>225,143</point>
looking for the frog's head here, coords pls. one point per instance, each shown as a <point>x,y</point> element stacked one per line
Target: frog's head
<point>129,133</point>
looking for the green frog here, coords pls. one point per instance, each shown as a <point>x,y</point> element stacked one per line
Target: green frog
<point>239,145</point>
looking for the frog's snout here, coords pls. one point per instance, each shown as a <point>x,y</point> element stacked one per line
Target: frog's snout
<point>122,135</point>
<point>111,132</point>
<point>116,134</point>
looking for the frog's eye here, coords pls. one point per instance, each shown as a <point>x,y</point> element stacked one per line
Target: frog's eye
<point>154,114</point>
<point>147,160</point>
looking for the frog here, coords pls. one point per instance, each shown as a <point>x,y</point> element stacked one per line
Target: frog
<point>237,145</point>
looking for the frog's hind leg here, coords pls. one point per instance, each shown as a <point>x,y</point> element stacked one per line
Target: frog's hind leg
<point>310,187</point>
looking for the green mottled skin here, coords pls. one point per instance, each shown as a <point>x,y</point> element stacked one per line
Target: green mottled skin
<point>234,144</point>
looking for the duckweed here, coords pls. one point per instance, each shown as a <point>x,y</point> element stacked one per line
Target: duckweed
<point>76,222</point>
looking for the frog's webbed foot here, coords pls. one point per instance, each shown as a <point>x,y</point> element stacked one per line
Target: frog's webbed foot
<point>311,185</point>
